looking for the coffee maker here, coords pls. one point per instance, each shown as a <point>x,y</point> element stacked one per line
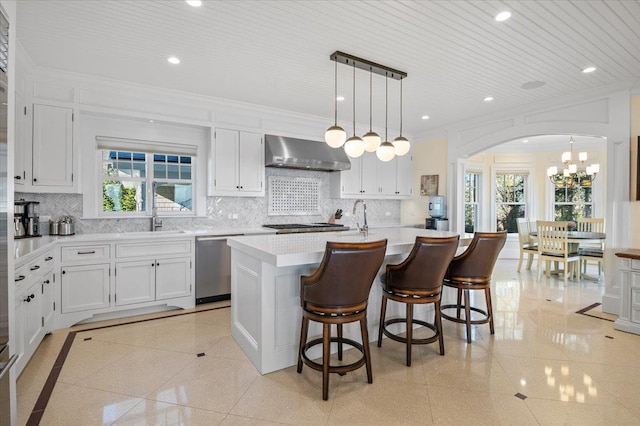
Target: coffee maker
<point>27,219</point>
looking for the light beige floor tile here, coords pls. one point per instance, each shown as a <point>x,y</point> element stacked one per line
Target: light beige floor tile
<point>232,420</point>
<point>140,372</point>
<point>381,402</point>
<point>563,413</point>
<point>208,383</point>
<point>622,382</point>
<point>479,375</point>
<point>451,406</point>
<point>76,405</point>
<point>149,412</point>
<point>554,380</point>
<point>286,397</point>
<point>25,402</point>
<point>88,357</point>
<point>138,334</point>
<point>226,347</point>
<point>190,338</point>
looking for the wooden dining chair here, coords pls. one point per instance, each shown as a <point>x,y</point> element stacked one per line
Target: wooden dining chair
<point>591,251</point>
<point>553,246</point>
<point>527,246</point>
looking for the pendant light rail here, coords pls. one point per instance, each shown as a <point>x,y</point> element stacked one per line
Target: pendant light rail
<point>363,64</point>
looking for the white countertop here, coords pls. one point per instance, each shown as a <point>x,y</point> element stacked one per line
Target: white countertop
<point>307,248</point>
<point>31,246</point>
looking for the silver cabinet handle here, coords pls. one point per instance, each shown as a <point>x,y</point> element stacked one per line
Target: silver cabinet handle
<point>7,366</point>
<point>87,252</point>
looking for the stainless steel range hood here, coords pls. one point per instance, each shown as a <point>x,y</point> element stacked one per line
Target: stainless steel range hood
<point>304,154</point>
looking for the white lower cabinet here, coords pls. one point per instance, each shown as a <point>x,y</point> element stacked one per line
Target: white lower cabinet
<point>135,282</point>
<point>173,278</point>
<point>629,278</point>
<point>111,279</point>
<point>48,302</point>
<point>84,287</point>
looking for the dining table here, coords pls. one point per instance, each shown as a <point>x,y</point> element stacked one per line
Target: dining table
<point>575,238</point>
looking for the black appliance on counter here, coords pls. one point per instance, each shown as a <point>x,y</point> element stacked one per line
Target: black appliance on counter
<point>27,219</point>
<point>296,228</point>
<point>438,223</point>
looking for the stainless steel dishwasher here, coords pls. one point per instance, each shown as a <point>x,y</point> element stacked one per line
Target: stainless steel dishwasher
<point>213,268</point>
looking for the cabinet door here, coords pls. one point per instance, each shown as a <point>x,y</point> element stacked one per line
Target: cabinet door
<point>173,278</point>
<point>369,174</point>
<point>404,175</point>
<point>32,317</point>
<point>52,146</point>
<point>47,285</point>
<point>386,177</point>
<point>251,162</point>
<point>225,157</point>
<point>84,287</point>
<point>351,179</point>
<point>20,146</point>
<point>135,282</point>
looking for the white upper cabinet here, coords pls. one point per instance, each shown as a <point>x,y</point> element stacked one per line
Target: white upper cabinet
<point>21,144</point>
<point>374,179</point>
<point>238,164</point>
<point>52,167</point>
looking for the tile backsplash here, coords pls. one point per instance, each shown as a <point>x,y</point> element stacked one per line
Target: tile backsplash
<point>250,211</point>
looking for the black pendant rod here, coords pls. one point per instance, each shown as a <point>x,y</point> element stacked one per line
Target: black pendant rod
<point>363,64</point>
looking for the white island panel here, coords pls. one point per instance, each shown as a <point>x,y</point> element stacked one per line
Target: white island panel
<point>265,282</point>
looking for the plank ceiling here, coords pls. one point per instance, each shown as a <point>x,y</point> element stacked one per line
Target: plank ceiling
<point>276,53</point>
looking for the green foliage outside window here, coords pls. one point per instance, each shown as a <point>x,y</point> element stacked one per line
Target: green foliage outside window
<point>116,197</point>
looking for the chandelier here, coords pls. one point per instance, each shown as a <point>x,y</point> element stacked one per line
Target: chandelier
<point>572,173</point>
<point>355,146</point>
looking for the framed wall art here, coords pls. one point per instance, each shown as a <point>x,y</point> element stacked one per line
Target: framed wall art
<point>429,185</point>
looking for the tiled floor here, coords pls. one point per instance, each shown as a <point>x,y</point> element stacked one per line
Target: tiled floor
<point>572,368</point>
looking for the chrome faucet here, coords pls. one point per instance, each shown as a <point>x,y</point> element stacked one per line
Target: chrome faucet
<point>364,230</point>
<point>156,222</point>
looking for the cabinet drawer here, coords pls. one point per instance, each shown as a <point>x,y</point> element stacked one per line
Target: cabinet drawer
<point>635,264</point>
<point>80,253</point>
<point>150,249</point>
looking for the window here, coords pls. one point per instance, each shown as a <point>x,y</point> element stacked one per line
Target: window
<point>471,198</point>
<point>510,199</point>
<point>573,202</point>
<point>130,179</point>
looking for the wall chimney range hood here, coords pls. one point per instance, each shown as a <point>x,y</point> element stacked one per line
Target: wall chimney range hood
<point>303,154</point>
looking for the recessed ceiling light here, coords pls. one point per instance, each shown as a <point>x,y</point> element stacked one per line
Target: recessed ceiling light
<point>340,98</point>
<point>425,117</point>
<point>150,121</point>
<point>194,3</point>
<point>587,70</point>
<point>503,16</point>
<point>532,85</point>
<point>488,99</point>
<point>173,60</point>
<point>525,141</point>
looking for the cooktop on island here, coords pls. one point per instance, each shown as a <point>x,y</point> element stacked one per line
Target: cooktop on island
<point>291,228</point>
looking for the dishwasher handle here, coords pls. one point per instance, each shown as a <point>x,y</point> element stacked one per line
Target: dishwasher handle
<point>217,238</point>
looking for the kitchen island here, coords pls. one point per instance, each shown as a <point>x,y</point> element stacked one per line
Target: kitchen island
<point>265,284</point>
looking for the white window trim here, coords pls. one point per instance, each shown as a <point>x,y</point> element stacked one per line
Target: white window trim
<point>92,200</point>
<point>529,205</point>
<point>480,196</point>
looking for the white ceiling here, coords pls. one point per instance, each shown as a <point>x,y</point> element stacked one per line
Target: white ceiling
<point>551,143</point>
<point>276,53</point>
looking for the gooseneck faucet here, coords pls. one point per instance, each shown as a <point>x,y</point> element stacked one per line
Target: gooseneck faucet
<point>364,230</point>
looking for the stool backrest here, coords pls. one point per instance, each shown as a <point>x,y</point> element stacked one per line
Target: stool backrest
<point>344,276</point>
<point>424,268</point>
<point>475,264</point>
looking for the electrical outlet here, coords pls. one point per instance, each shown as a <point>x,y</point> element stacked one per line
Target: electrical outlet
<point>234,216</point>
<point>387,213</point>
<point>230,216</point>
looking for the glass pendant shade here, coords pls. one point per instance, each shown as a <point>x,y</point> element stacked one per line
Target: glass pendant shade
<point>371,141</point>
<point>401,145</point>
<point>354,147</point>
<point>386,151</point>
<point>335,136</point>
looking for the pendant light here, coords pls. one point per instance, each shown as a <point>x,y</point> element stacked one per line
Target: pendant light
<point>335,135</point>
<point>371,138</point>
<point>386,151</point>
<point>401,144</point>
<point>354,146</point>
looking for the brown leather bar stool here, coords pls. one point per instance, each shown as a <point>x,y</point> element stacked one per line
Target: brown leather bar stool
<point>417,280</point>
<point>338,293</point>
<point>472,271</point>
